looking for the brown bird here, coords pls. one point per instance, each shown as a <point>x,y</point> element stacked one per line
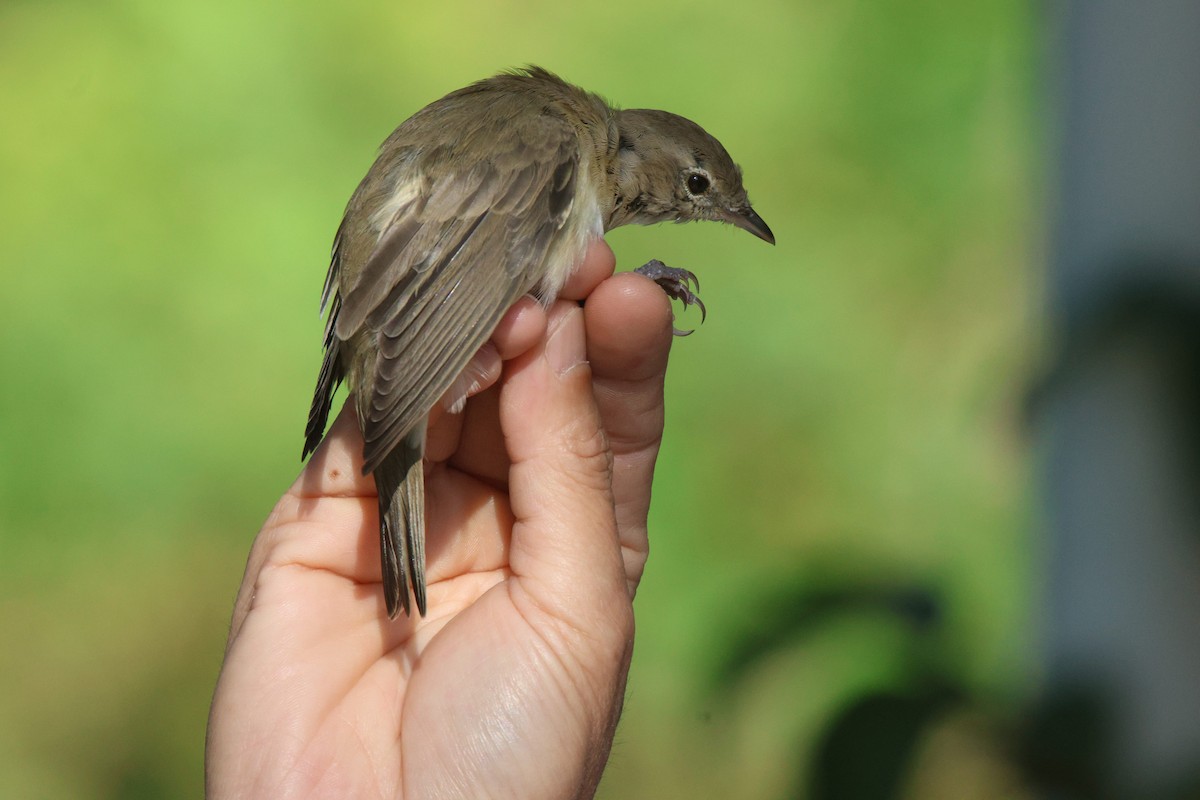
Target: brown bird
<point>490,193</point>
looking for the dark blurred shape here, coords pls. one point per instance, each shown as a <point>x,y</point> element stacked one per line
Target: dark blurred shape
<point>1159,319</point>
<point>866,749</point>
<point>1067,746</point>
<point>784,616</point>
<point>1067,742</point>
<point>867,753</point>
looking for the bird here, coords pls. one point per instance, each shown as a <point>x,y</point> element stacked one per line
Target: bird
<point>491,193</point>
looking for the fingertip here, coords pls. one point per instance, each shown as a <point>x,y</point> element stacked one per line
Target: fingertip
<point>639,296</point>
<point>629,325</point>
<point>520,328</point>
<point>598,264</point>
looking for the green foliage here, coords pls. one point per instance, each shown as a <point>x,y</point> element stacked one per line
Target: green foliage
<point>173,174</point>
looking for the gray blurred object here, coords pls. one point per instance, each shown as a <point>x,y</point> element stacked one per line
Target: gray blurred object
<point>1118,419</point>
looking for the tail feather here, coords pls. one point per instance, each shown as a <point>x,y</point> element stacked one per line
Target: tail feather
<point>400,482</point>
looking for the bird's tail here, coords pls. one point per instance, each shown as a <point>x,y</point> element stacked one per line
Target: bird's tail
<point>400,481</point>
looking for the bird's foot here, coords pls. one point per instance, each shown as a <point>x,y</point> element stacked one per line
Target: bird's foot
<point>675,282</point>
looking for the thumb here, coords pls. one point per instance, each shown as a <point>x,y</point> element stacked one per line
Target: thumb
<point>565,553</point>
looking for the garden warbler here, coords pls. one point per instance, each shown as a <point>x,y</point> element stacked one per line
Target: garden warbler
<point>488,194</point>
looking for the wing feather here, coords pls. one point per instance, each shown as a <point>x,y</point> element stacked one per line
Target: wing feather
<point>453,257</point>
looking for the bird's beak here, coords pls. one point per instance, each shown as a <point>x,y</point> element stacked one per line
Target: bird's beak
<point>747,220</point>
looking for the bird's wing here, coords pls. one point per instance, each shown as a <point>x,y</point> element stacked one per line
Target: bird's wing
<point>461,247</point>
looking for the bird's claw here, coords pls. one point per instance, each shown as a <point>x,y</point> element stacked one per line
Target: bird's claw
<point>675,282</point>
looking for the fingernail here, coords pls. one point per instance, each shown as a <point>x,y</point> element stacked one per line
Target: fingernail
<point>565,347</point>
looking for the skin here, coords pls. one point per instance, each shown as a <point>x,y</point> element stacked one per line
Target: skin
<point>538,493</point>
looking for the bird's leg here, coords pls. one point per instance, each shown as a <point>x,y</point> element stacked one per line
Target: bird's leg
<point>674,281</point>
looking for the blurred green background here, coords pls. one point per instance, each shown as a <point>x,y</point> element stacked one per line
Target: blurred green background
<point>846,424</point>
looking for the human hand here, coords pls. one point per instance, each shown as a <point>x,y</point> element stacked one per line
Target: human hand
<point>537,496</point>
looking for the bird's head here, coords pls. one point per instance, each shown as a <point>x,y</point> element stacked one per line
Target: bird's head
<point>671,169</point>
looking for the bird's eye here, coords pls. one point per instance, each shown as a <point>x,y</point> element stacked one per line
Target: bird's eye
<point>697,183</point>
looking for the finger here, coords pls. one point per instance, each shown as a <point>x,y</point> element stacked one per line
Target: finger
<point>598,264</point>
<point>477,447</point>
<point>445,420</point>
<point>519,329</point>
<point>564,553</point>
<point>629,331</point>
<point>481,451</point>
